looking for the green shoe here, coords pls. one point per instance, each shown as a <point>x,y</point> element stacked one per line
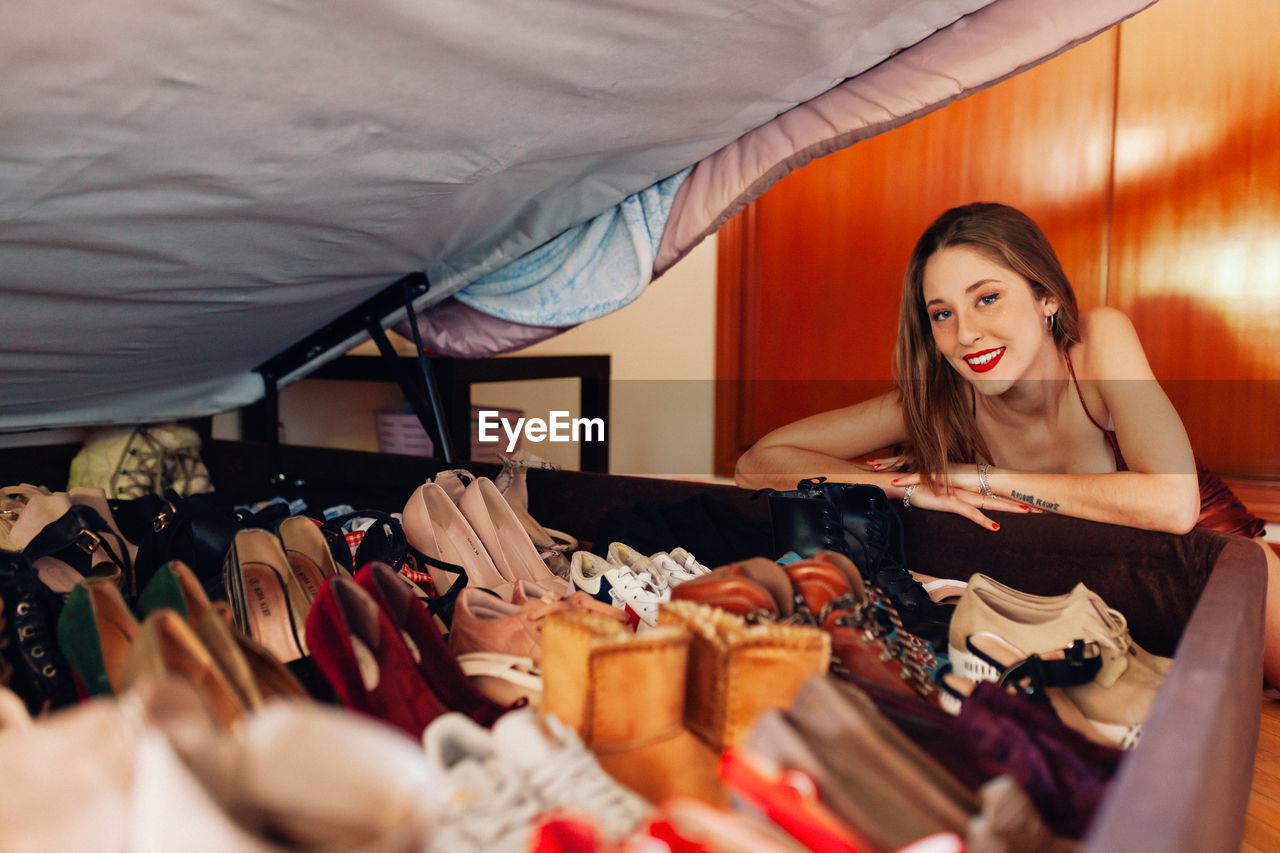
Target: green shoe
<point>95,630</point>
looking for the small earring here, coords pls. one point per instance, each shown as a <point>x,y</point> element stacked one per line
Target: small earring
<point>1048,321</point>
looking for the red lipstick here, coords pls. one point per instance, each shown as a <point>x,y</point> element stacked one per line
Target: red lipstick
<point>987,365</point>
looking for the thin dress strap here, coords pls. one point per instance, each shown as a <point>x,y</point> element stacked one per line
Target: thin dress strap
<point>1110,435</point>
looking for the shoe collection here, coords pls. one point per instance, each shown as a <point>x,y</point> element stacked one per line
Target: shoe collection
<point>556,692</point>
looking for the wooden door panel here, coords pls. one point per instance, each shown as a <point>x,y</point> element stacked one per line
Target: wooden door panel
<point>1196,242</point>
<point>810,290</point>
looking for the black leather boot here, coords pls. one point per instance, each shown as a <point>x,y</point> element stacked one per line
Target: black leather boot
<point>40,675</point>
<point>859,521</point>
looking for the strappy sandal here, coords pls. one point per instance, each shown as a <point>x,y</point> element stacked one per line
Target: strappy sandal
<point>993,659</point>
<point>1108,715</point>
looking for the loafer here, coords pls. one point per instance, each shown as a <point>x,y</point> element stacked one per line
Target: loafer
<point>251,669</point>
<point>757,589</point>
<point>166,647</point>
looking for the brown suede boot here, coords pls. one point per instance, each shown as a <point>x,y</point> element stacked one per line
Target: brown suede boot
<point>737,671</point>
<point>624,694</point>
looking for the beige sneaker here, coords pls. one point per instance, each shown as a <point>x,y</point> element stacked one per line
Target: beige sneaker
<point>992,631</point>
<point>1050,605</point>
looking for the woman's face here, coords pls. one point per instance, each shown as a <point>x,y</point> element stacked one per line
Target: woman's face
<point>986,320</point>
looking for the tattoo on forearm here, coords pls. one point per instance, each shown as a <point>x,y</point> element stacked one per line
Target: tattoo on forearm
<point>1034,501</point>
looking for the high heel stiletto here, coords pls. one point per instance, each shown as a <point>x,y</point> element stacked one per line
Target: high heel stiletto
<point>307,552</point>
<point>504,537</point>
<point>437,528</point>
<point>266,598</point>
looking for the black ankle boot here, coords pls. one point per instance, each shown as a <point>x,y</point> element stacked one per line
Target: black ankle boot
<point>39,674</point>
<point>859,521</point>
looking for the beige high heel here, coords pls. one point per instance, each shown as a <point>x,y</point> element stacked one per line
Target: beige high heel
<point>436,527</point>
<point>266,598</point>
<point>512,483</point>
<point>504,537</point>
<point>307,552</point>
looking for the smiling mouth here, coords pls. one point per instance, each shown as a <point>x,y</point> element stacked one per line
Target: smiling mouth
<point>986,360</point>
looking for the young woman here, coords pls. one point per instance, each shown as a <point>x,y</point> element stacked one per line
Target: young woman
<point>1009,398</point>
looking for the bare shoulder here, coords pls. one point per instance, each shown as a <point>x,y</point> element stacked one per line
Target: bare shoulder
<point>1109,347</point>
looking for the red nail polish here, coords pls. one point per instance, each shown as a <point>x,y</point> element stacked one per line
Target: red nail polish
<point>1024,506</point>
<point>894,482</point>
<point>876,466</point>
<point>995,526</point>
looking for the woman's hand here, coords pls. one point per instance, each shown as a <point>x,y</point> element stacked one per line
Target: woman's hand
<point>883,463</point>
<point>964,497</point>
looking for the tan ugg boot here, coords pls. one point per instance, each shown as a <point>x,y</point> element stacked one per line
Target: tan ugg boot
<point>624,694</point>
<point>737,671</point>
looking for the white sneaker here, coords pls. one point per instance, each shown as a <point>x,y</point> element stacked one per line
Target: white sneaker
<point>624,556</point>
<point>618,585</point>
<point>678,566</point>
<point>489,807</point>
<point>499,782</point>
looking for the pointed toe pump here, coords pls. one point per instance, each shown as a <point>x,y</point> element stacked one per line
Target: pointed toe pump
<point>366,660</point>
<point>504,537</point>
<point>307,552</point>
<point>435,527</point>
<point>266,598</point>
<point>436,663</point>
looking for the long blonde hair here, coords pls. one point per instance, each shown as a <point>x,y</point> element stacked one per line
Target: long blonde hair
<point>937,403</point>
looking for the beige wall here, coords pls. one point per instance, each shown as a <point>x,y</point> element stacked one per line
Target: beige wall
<point>663,360</point>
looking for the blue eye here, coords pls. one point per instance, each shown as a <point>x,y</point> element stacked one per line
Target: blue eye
<point>939,316</point>
<point>989,299</point>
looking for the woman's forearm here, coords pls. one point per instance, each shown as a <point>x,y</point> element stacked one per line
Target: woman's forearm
<point>1165,502</point>
<point>781,467</point>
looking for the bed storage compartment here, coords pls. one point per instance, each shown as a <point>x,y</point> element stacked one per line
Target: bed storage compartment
<point>1185,787</point>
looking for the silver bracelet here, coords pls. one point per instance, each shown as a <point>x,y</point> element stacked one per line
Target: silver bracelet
<point>984,487</point>
<point>906,496</point>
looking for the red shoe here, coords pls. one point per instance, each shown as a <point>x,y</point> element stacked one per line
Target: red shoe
<point>435,662</point>
<point>364,657</point>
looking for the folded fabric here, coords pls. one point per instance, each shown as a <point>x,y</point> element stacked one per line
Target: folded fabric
<point>587,271</point>
<point>454,330</point>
